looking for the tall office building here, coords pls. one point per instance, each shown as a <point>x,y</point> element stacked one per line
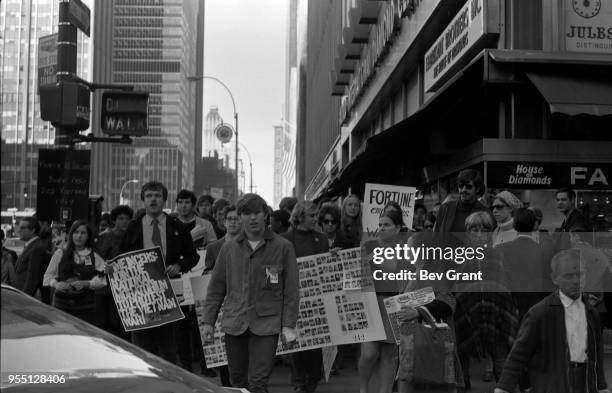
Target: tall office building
<point>22,23</point>
<point>150,44</point>
<point>285,136</point>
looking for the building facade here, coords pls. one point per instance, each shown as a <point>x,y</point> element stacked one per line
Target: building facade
<point>23,23</point>
<point>285,137</point>
<point>422,89</point>
<point>150,44</point>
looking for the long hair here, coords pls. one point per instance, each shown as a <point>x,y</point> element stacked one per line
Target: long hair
<point>351,226</point>
<point>66,267</point>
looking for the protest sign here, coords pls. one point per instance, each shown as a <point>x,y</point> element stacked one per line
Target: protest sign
<point>376,196</point>
<point>414,299</point>
<point>329,356</point>
<point>142,292</point>
<point>214,353</point>
<point>328,315</point>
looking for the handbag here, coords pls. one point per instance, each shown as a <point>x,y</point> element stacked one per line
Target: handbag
<point>427,353</point>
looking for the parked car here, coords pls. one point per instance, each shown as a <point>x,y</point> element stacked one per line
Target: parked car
<point>37,338</point>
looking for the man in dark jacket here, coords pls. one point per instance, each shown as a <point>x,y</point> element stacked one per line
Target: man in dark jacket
<point>256,279</point>
<point>306,366</point>
<point>527,271</point>
<point>559,342</point>
<point>32,263</point>
<point>156,228</point>
<point>452,215</point>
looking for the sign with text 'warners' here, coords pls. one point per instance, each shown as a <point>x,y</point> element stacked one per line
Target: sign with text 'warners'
<point>549,175</point>
<point>464,35</point>
<point>125,113</point>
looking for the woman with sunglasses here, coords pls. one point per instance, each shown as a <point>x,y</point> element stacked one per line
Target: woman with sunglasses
<point>504,204</point>
<point>75,272</point>
<point>329,221</point>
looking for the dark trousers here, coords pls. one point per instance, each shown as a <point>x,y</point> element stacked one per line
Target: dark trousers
<point>250,360</point>
<point>306,369</point>
<point>107,315</point>
<point>188,339</point>
<point>578,379</point>
<point>158,340</point>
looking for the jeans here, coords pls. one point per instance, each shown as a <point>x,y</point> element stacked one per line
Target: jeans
<point>251,359</point>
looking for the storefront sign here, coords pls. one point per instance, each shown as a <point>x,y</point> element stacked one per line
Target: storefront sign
<point>588,26</point>
<point>372,54</point>
<point>63,184</point>
<point>461,36</point>
<point>376,198</point>
<point>549,175</point>
<point>142,291</point>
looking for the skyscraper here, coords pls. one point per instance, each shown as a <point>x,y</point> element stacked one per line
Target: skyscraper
<point>22,23</point>
<point>285,134</point>
<point>150,44</point>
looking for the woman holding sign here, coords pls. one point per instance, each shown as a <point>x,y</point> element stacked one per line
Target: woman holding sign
<point>378,359</point>
<point>75,272</point>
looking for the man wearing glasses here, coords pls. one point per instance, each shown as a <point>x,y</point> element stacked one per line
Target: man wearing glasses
<point>452,215</point>
<point>32,263</point>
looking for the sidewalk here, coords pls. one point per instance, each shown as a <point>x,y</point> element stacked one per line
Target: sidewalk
<point>347,381</point>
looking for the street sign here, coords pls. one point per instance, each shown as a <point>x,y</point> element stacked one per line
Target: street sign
<point>125,113</point>
<point>47,59</point>
<point>224,132</point>
<point>63,184</point>
<point>79,15</point>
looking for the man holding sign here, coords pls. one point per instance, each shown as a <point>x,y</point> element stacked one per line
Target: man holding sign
<point>256,279</point>
<point>157,229</point>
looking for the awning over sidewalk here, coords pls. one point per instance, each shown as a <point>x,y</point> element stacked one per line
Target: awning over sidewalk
<point>574,95</point>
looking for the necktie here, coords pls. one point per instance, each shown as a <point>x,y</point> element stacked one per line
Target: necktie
<point>156,237</point>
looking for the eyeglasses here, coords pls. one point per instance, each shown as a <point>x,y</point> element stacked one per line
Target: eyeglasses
<point>231,219</point>
<point>428,226</point>
<point>467,186</point>
<point>498,207</point>
<point>329,222</point>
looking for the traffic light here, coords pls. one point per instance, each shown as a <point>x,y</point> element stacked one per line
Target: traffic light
<point>125,113</point>
<point>66,105</point>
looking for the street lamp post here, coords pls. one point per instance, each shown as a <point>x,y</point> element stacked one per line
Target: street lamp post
<point>201,77</point>
<point>250,165</point>
<point>123,187</point>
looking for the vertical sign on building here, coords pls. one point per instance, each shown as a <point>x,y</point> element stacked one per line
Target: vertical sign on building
<point>588,26</point>
<point>47,59</point>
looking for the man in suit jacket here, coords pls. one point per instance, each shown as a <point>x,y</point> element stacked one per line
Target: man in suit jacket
<point>32,263</point>
<point>155,228</point>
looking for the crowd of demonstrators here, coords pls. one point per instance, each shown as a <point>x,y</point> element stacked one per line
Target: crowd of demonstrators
<point>260,298</point>
<point>251,253</point>
<point>306,366</point>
